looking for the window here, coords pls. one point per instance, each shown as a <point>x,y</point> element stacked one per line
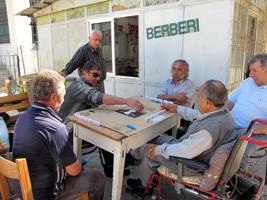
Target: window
<point>4,31</point>
<point>33,24</point>
<point>125,43</point>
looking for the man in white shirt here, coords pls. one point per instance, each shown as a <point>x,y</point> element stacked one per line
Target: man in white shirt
<point>213,126</point>
<point>249,102</point>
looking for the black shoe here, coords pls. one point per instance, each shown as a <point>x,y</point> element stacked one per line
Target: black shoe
<point>136,185</point>
<point>109,171</point>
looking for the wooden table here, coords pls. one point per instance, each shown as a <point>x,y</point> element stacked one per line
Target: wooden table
<point>117,143</point>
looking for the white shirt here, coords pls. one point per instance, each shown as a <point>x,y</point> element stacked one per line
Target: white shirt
<point>250,103</point>
<point>188,86</point>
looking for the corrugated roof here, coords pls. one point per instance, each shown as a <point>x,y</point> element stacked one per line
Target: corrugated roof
<point>36,7</point>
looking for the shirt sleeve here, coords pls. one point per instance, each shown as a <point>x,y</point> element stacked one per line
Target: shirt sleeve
<point>188,148</point>
<point>77,61</point>
<point>187,114</point>
<point>163,89</point>
<point>233,97</point>
<point>61,150</point>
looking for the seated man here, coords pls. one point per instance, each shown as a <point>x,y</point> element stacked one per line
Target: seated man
<point>42,138</point>
<point>81,95</point>
<point>212,127</point>
<point>180,90</point>
<point>249,102</point>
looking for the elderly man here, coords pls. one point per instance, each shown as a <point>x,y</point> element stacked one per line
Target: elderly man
<point>179,89</point>
<point>249,101</point>
<point>213,126</point>
<point>42,138</point>
<point>88,52</point>
<point>81,95</point>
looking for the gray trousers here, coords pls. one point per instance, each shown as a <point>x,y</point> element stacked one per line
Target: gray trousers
<point>150,165</point>
<point>252,149</point>
<point>91,181</point>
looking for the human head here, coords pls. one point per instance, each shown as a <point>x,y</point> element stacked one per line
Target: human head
<point>95,38</point>
<point>49,88</point>
<point>90,71</point>
<point>211,96</point>
<point>258,69</point>
<point>180,70</point>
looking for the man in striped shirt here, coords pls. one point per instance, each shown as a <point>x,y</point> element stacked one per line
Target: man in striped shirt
<point>88,52</point>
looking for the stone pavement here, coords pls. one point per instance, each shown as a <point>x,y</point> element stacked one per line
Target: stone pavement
<point>168,193</point>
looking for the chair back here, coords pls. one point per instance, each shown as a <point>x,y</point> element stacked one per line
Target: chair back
<point>233,163</point>
<point>17,170</point>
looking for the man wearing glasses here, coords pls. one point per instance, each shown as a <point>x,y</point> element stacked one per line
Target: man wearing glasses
<point>82,95</point>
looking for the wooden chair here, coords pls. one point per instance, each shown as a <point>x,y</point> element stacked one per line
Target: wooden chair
<point>84,196</point>
<point>18,170</point>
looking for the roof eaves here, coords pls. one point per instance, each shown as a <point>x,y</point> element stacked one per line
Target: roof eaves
<point>36,7</point>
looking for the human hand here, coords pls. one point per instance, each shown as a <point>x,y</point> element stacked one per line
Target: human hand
<point>180,98</point>
<point>62,74</point>
<point>151,151</point>
<point>170,107</point>
<point>135,104</point>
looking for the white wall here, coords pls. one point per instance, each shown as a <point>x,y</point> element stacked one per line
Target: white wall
<point>20,37</point>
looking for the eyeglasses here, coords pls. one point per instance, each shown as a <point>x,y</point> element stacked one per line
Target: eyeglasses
<point>95,74</point>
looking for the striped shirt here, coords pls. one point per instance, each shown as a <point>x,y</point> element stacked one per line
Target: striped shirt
<point>86,53</point>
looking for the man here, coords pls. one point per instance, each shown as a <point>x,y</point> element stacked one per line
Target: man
<point>81,95</point>
<point>88,52</point>
<point>179,89</point>
<point>42,138</point>
<point>249,102</point>
<point>213,126</point>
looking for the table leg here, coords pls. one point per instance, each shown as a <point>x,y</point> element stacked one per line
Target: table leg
<point>118,168</point>
<point>77,143</point>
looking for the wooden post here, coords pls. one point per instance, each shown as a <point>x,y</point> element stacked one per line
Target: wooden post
<point>8,87</point>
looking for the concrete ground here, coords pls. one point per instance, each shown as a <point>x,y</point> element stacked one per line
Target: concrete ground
<point>168,193</point>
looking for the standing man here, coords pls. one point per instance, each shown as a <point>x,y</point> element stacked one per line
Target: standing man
<point>180,90</point>
<point>42,138</point>
<point>81,95</point>
<point>88,52</point>
<point>213,126</point>
<point>249,102</point>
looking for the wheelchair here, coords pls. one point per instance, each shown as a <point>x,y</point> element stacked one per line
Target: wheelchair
<point>223,179</point>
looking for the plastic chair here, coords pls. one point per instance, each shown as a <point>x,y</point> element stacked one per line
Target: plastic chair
<point>18,170</point>
<point>228,187</point>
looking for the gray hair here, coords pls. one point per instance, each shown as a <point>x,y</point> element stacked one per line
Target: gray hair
<point>186,72</point>
<point>98,32</point>
<point>45,84</point>
<point>89,65</point>
<point>215,91</point>
<point>259,57</point>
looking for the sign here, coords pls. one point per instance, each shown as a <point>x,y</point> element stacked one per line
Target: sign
<point>179,28</point>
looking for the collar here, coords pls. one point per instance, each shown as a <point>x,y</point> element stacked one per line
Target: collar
<point>179,83</point>
<point>46,108</point>
<point>92,49</point>
<point>205,115</point>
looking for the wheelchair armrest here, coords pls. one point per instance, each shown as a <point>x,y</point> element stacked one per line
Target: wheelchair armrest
<point>264,144</point>
<point>191,162</point>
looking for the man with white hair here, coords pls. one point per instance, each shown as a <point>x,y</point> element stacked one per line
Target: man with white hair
<point>88,52</point>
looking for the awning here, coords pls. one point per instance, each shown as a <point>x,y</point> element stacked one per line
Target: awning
<point>36,7</point>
